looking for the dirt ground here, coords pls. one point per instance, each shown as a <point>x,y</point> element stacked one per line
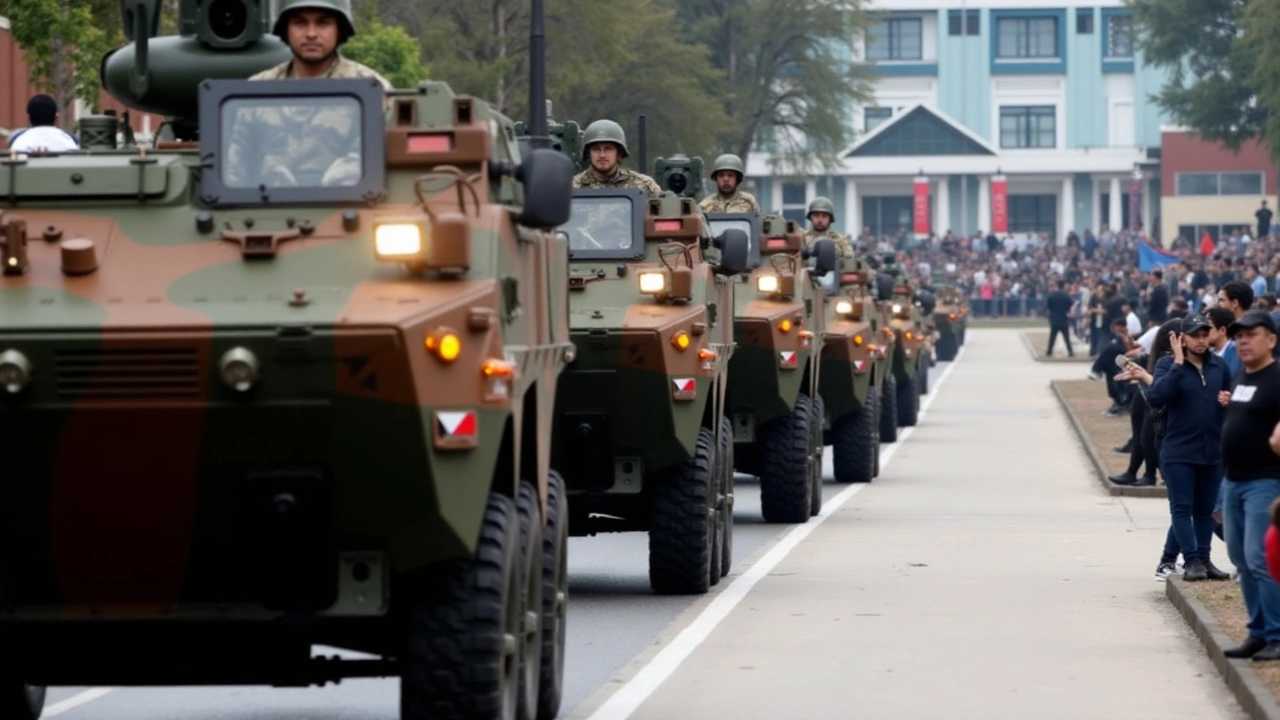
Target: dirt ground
<point>1088,398</point>
<point>1224,601</point>
<point>1039,340</point>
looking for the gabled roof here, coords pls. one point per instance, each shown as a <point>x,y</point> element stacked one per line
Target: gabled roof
<point>918,131</point>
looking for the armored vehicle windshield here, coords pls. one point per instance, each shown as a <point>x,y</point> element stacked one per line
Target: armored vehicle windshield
<point>606,224</point>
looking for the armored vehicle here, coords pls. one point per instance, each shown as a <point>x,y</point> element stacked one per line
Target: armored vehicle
<point>949,317</point>
<point>262,406</point>
<point>773,398</point>
<point>640,431</point>
<point>910,355</point>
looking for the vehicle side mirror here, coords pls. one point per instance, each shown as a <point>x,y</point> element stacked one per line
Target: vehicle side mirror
<point>547,177</point>
<point>824,256</point>
<point>734,250</point>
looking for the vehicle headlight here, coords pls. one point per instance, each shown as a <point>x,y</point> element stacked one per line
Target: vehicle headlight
<point>844,307</point>
<point>15,371</point>
<point>767,283</point>
<point>653,281</point>
<point>397,240</point>
<point>238,369</point>
<point>897,308</point>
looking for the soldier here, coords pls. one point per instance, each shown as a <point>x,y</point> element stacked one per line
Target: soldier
<point>313,30</point>
<point>821,214</point>
<point>728,173</point>
<point>605,144</point>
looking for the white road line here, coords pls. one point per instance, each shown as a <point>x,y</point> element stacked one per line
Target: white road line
<point>628,698</point>
<point>74,701</point>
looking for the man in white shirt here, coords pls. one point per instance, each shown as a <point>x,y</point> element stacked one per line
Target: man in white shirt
<point>43,135</point>
<point>1132,323</point>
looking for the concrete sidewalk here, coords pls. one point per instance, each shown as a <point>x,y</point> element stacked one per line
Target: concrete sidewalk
<point>984,575</point>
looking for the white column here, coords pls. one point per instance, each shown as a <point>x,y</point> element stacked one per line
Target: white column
<point>775,193</point>
<point>1095,219</point>
<point>1068,211</point>
<point>984,204</point>
<point>942,207</point>
<point>1117,216</point>
<point>852,213</point>
<point>1148,208</point>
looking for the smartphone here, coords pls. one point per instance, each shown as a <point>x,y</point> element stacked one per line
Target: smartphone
<point>1123,362</point>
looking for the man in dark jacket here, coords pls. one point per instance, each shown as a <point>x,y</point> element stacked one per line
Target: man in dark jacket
<point>1059,306</point>
<point>1158,300</point>
<point>1189,385</point>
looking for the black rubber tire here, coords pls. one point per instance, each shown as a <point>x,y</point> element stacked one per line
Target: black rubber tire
<point>908,401</point>
<point>19,700</point>
<point>889,410</point>
<point>555,597</point>
<point>815,454</point>
<point>683,525</point>
<point>933,360</point>
<point>458,621</point>
<point>726,462</point>
<point>528,508</point>
<point>947,346</point>
<point>785,483</point>
<point>854,445</point>
<point>924,380</point>
<point>873,399</point>
<point>718,526</point>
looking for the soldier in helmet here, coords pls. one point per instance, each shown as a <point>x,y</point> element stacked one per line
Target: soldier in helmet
<point>821,214</point>
<point>604,144</point>
<point>313,30</point>
<point>728,172</point>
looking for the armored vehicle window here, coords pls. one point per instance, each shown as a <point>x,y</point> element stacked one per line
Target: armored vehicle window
<point>748,223</point>
<point>606,224</point>
<point>720,225</point>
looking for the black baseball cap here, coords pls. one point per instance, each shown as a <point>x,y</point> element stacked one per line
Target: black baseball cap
<point>1192,323</point>
<point>1252,318</point>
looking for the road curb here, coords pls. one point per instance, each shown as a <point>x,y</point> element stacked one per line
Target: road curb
<point>1257,700</point>
<point>1099,466</point>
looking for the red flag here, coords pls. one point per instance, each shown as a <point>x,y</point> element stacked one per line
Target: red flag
<point>999,204</point>
<point>922,206</point>
<point>1206,244</point>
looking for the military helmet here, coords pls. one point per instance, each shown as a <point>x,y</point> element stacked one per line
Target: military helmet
<point>604,131</point>
<point>729,161</point>
<point>821,204</point>
<point>342,8</point>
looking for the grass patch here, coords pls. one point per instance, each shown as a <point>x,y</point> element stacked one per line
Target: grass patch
<point>1224,600</point>
<point>1088,398</point>
<point>1039,340</point>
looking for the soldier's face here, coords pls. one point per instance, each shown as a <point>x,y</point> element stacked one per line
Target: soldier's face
<point>604,158</point>
<point>313,35</point>
<point>727,181</point>
<point>820,220</point>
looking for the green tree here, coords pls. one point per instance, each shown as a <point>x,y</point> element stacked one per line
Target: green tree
<point>63,42</point>
<point>1205,47</point>
<point>390,51</point>
<point>789,71</point>
<point>1262,23</point>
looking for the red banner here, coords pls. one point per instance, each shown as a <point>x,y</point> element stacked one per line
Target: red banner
<point>922,206</point>
<point>999,204</point>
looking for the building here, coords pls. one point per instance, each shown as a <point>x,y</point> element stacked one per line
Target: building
<point>1038,114</point>
<point>1208,188</point>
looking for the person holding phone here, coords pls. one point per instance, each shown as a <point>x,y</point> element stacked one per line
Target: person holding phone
<point>1192,384</point>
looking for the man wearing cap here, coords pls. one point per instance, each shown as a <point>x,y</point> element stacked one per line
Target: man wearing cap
<point>44,135</point>
<point>313,30</point>
<point>727,174</point>
<point>1191,384</point>
<point>604,145</point>
<point>1252,471</point>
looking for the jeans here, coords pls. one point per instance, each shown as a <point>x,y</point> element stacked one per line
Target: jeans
<point>1193,489</point>
<point>1170,552</point>
<point>1138,452</point>
<point>1246,515</point>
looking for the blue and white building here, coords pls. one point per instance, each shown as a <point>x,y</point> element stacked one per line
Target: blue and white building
<point>1050,95</point>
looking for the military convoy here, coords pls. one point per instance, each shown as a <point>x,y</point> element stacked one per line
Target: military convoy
<point>283,411</point>
<point>950,317</point>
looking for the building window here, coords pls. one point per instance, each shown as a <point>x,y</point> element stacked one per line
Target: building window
<point>962,25</point>
<point>1027,38</point>
<point>888,215</point>
<point>1119,36</point>
<point>871,117</point>
<point>1084,22</point>
<point>895,39</point>
<point>1033,214</point>
<point>1227,183</point>
<point>794,202</point>
<point>1028,127</point>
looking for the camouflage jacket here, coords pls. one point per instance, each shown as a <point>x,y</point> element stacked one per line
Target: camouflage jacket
<point>844,248</point>
<point>739,202</point>
<point>312,143</point>
<point>624,178</point>
<point>341,69</point>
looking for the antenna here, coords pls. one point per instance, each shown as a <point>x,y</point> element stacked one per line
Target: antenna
<point>537,78</point>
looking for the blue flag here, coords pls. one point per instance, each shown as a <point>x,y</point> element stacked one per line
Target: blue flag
<point>1150,258</point>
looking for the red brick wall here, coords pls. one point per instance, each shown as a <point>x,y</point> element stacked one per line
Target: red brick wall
<point>1183,152</point>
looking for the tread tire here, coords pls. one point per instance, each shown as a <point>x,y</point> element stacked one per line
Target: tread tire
<point>683,525</point>
<point>947,346</point>
<point>908,401</point>
<point>855,445</point>
<point>924,380</point>
<point>528,508</point>
<point>889,409</point>
<point>19,700</point>
<point>555,597</point>
<point>815,432</point>
<point>726,461</point>
<point>785,482</point>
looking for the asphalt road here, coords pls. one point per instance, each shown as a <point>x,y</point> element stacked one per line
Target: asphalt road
<point>613,617</point>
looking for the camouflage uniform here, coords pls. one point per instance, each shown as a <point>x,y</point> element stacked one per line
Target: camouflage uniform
<point>739,202</point>
<point>844,248</point>
<point>623,178</point>
<point>273,146</point>
<point>340,69</point>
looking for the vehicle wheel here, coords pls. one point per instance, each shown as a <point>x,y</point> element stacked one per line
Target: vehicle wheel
<point>854,444</point>
<point>717,510</point>
<point>683,525</point>
<point>815,456</point>
<point>530,514</point>
<point>873,399</point>
<point>933,360</point>
<point>785,483</point>
<point>465,623</point>
<point>924,380</point>
<point>947,346</point>
<point>889,410</point>
<point>726,462</point>
<point>19,700</point>
<point>908,401</point>
<point>555,597</point>
<point>961,336</point>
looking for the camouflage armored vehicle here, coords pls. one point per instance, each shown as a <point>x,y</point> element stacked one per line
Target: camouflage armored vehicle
<point>640,431</point>
<point>773,398</point>
<point>949,317</point>
<point>855,365</point>
<point>911,346</point>
<point>265,408</point>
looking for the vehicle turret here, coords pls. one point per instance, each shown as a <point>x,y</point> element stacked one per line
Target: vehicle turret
<point>680,174</point>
